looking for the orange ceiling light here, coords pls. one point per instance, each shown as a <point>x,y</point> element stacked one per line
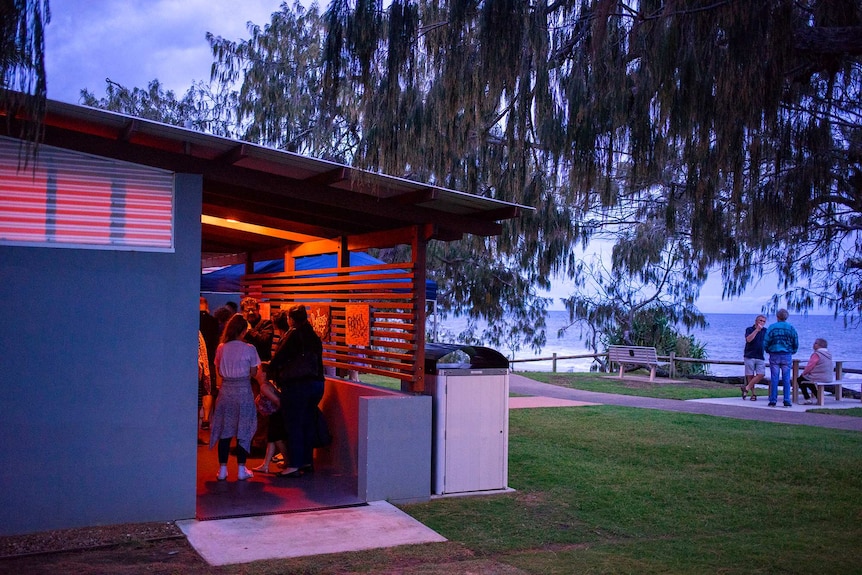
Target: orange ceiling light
<point>256,229</point>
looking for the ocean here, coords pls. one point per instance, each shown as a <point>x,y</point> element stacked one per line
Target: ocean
<point>723,338</point>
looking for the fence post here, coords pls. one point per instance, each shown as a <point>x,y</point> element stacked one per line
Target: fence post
<point>795,375</point>
<point>839,370</point>
<point>554,364</point>
<point>671,370</point>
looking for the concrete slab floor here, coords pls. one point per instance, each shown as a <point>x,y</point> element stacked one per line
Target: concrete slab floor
<point>242,540</point>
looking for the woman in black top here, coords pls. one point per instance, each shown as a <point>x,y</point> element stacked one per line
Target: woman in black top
<point>298,366</point>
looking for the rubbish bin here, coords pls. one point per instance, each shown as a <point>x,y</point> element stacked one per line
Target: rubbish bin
<point>469,386</point>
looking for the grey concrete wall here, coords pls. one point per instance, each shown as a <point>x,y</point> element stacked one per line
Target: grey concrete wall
<point>395,448</point>
<point>340,406</point>
<point>98,390</point>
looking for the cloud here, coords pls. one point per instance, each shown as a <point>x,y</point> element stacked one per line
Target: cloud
<point>133,42</point>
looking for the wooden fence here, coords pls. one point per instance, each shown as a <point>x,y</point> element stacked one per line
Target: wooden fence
<point>395,345</point>
<point>672,360</point>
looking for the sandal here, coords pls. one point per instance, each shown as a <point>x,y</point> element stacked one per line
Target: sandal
<point>744,391</point>
<point>292,475</point>
<point>753,397</point>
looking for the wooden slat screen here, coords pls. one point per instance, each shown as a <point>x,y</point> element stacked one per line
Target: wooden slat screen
<point>391,292</point>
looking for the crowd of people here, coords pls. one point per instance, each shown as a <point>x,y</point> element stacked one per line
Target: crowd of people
<point>780,342</point>
<point>241,355</point>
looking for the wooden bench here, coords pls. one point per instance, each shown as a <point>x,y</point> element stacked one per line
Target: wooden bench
<point>821,390</point>
<point>634,355</point>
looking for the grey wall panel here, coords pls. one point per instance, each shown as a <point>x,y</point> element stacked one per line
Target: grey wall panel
<point>395,448</point>
<point>98,388</point>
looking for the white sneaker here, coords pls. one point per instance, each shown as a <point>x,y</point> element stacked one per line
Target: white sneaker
<point>222,474</point>
<point>244,473</point>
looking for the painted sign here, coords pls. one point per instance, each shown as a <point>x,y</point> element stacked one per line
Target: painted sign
<point>358,324</point>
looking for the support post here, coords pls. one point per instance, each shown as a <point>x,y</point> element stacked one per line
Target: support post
<point>419,247</point>
<point>794,382</point>
<point>671,368</point>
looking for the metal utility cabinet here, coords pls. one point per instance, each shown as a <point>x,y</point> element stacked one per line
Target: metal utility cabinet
<point>470,418</point>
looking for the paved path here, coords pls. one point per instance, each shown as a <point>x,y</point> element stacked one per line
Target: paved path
<point>726,407</point>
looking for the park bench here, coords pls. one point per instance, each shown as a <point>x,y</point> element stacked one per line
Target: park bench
<point>821,390</point>
<point>634,355</point>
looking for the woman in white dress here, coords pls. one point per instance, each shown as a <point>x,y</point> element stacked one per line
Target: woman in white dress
<point>235,415</point>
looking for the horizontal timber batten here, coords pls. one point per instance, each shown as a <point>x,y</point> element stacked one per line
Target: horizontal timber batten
<point>391,293</point>
<point>381,353</point>
<point>379,363</point>
<point>402,375</point>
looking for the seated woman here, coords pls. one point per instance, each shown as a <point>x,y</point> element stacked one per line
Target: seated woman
<point>819,369</point>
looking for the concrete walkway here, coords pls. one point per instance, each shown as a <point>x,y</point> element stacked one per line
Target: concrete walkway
<point>246,539</point>
<point>733,407</point>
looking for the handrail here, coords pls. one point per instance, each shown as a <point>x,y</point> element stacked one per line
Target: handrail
<point>840,370</point>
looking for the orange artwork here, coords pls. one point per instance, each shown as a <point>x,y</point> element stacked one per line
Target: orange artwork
<point>358,325</point>
<point>319,318</point>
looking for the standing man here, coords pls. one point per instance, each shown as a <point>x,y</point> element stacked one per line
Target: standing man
<point>260,331</point>
<point>755,364</point>
<point>781,342</point>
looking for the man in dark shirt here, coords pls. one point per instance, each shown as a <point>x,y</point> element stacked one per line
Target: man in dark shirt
<point>755,364</point>
<point>260,331</point>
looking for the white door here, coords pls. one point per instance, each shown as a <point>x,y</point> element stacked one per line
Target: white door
<point>476,433</point>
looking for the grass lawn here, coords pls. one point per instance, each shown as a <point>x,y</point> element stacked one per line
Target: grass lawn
<point>609,489</point>
<point>380,380</point>
<point>660,388</point>
<point>853,411</point>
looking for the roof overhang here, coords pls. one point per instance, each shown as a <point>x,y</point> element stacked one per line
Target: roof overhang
<point>258,201</point>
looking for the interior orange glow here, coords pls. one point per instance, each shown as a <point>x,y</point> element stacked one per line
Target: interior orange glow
<point>256,229</point>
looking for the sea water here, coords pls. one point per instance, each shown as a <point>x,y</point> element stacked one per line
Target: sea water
<point>723,338</point>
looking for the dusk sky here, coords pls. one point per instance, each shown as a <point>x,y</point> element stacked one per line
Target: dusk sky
<point>135,41</point>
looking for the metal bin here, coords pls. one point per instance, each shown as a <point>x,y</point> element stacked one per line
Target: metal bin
<point>469,386</point>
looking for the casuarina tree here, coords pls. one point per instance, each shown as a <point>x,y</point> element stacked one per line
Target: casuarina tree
<point>735,124</point>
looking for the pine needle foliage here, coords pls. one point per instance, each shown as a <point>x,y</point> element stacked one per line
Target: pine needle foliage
<point>23,81</point>
<point>732,125</point>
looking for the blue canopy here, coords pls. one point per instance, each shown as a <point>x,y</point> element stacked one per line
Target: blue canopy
<point>227,279</point>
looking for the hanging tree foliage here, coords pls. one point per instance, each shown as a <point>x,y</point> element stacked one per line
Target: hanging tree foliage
<point>23,82</point>
<point>733,126</point>
<point>695,136</point>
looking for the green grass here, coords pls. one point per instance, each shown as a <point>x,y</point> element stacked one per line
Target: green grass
<point>380,380</point>
<point>852,411</point>
<point>609,489</point>
<point>660,388</point>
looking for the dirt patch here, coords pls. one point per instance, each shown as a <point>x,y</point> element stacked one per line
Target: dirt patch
<point>159,548</point>
<point>86,538</point>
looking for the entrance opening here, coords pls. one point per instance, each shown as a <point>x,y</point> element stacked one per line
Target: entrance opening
<point>265,493</point>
